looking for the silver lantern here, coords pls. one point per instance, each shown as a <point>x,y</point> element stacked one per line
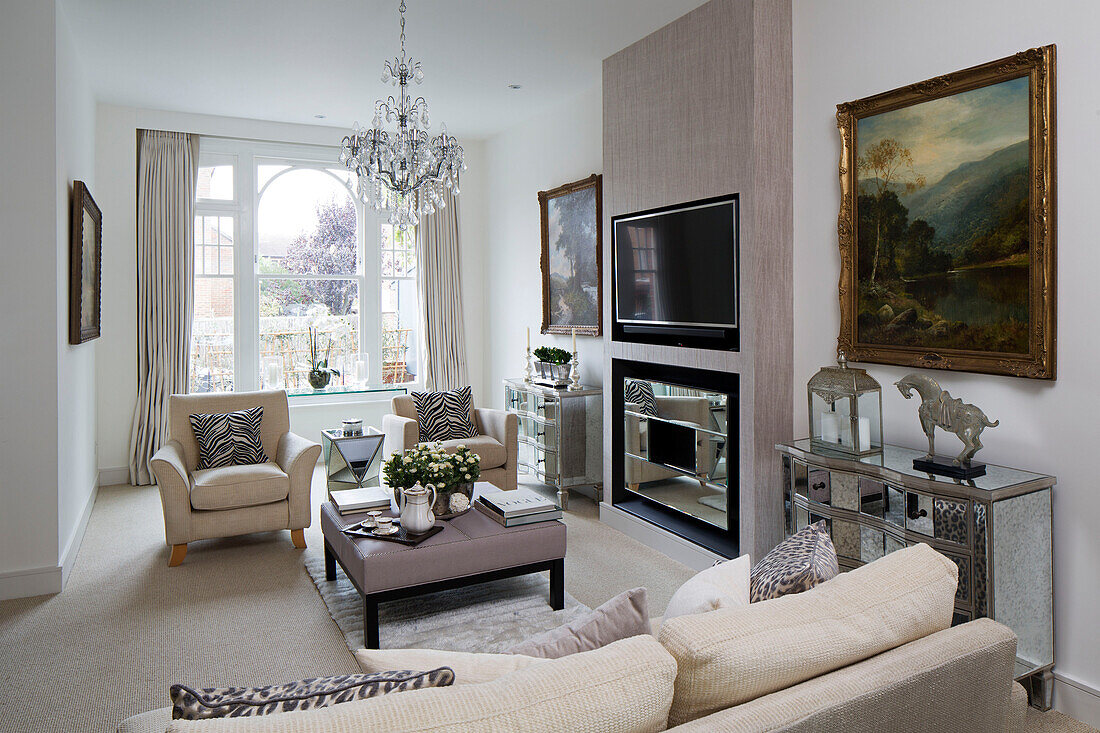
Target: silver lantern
<point>845,407</point>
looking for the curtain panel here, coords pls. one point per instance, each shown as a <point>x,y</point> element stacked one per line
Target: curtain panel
<point>440,294</point>
<point>167,175</point>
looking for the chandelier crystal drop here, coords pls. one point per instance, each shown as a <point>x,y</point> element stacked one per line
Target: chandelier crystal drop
<point>407,170</point>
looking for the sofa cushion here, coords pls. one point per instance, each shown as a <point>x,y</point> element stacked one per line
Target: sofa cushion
<point>796,564</point>
<point>229,438</point>
<point>622,617</point>
<point>724,585</point>
<point>231,487</point>
<point>730,656</point>
<point>625,686</point>
<point>470,668</point>
<point>316,692</point>
<point>490,453</point>
<point>445,415</point>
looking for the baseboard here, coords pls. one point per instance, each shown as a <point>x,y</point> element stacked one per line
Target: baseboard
<point>674,546</point>
<point>1076,699</point>
<point>32,582</point>
<point>72,546</point>
<point>114,476</point>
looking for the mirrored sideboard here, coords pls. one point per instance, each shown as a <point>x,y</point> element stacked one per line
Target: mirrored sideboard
<point>996,528</point>
<point>560,434</point>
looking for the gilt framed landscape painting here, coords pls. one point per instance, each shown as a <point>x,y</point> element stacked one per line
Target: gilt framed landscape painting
<point>572,254</point>
<point>947,221</point>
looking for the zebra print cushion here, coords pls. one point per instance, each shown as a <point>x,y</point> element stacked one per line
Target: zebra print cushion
<point>796,564</point>
<point>319,692</point>
<point>641,394</point>
<point>445,415</point>
<point>229,438</point>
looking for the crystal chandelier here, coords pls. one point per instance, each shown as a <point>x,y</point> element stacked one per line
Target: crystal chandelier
<point>405,170</point>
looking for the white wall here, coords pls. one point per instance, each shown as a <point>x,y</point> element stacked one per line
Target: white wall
<point>116,367</point>
<point>1046,427</point>
<point>76,419</point>
<point>47,436</point>
<point>559,145</point>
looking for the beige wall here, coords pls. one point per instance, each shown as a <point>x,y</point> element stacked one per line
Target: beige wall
<point>699,109</point>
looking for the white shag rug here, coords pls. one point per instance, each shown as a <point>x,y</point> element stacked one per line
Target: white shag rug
<point>488,617</point>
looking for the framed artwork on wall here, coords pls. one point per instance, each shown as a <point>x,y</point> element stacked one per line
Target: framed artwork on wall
<point>572,254</point>
<point>85,257</point>
<point>947,221</point>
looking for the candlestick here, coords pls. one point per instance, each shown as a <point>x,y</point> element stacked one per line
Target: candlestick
<point>529,373</point>
<point>575,371</point>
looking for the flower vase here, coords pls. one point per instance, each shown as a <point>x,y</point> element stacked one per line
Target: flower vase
<point>447,507</point>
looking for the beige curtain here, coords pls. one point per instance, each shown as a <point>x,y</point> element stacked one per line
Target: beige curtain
<point>440,292</point>
<point>168,164</point>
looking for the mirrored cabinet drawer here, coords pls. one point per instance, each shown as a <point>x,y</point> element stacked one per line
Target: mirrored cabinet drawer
<point>819,487</point>
<point>540,433</point>
<point>539,459</point>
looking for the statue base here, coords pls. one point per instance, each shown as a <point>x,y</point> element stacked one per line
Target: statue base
<point>947,467</point>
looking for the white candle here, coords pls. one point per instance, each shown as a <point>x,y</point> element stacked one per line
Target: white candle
<point>574,340</point>
<point>864,434</point>
<point>528,338</point>
<point>829,432</point>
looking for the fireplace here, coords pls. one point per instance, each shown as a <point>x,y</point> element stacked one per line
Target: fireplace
<point>675,447</point>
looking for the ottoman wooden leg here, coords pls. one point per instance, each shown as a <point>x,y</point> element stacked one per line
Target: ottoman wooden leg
<point>370,623</point>
<point>557,584</point>
<point>330,562</point>
<point>298,537</point>
<point>178,553</point>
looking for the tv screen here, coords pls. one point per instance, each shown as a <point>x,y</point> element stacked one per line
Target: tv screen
<point>678,266</point>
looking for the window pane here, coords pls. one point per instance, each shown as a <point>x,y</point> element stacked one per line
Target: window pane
<point>215,182</point>
<point>400,338</point>
<point>306,225</point>
<point>289,308</point>
<point>212,335</point>
<point>265,172</point>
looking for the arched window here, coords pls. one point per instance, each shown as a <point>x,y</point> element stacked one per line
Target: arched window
<point>285,247</point>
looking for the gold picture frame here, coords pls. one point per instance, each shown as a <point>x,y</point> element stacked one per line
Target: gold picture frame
<point>584,254</point>
<point>85,266</point>
<point>924,335</point>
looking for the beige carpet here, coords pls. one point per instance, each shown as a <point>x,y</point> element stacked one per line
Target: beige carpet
<point>240,611</point>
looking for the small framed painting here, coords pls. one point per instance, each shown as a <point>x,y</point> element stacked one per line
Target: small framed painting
<point>572,267</point>
<point>947,221</point>
<point>85,253</point>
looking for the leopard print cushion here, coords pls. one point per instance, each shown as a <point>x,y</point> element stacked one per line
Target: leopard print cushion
<point>796,564</point>
<point>318,692</point>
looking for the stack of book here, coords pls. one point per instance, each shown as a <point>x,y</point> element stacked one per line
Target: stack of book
<point>361,500</point>
<point>516,507</point>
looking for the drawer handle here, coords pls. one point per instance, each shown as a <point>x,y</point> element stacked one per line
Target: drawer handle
<point>818,486</point>
<point>542,460</point>
<point>541,434</point>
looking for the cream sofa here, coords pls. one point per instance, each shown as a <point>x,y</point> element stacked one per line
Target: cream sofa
<point>232,500</point>
<point>869,651</point>
<point>497,445</point>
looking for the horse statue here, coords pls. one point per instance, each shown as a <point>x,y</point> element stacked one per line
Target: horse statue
<point>939,409</point>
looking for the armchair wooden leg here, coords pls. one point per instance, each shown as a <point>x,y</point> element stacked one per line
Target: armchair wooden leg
<point>298,537</point>
<point>178,553</point>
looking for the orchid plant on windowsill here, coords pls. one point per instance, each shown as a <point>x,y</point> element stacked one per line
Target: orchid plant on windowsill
<point>319,371</point>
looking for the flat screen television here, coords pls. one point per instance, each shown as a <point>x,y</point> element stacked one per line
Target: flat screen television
<point>675,275</point>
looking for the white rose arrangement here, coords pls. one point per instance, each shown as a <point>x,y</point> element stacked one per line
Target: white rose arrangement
<point>430,465</point>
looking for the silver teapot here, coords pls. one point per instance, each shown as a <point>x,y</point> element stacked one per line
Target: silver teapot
<point>415,506</point>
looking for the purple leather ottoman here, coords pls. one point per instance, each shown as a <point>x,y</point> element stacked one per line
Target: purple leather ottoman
<point>471,549</point>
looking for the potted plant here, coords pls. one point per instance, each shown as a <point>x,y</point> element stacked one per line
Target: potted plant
<point>552,363</point>
<point>319,372</point>
<point>428,464</point>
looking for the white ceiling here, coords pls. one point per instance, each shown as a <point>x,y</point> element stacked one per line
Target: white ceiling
<point>289,60</point>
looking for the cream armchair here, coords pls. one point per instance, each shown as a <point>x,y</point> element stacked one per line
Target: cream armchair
<point>497,446</point>
<point>232,500</point>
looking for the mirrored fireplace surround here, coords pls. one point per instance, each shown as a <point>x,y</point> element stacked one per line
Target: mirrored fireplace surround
<point>675,450</point>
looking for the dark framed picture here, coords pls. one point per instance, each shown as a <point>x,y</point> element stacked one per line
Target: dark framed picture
<point>947,221</point>
<point>85,253</point>
<point>572,267</point>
